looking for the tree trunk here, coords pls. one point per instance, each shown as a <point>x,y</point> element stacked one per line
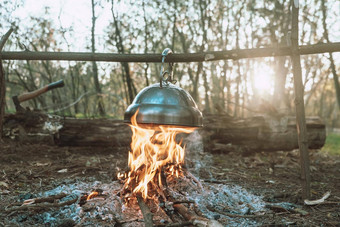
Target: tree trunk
<point>120,46</point>
<point>74,89</point>
<point>3,83</point>
<point>206,91</point>
<point>146,38</point>
<point>2,97</point>
<point>280,69</point>
<point>325,34</point>
<point>280,82</point>
<point>238,78</point>
<point>237,92</point>
<point>195,80</point>
<point>174,26</point>
<point>229,96</point>
<point>100,101</point>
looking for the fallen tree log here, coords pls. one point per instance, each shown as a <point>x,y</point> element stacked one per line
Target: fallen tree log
<point>259,133</point>
<point>94,132</point>
<point>220,133</point>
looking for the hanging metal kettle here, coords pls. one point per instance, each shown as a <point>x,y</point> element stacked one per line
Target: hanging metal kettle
<point>164,103</point>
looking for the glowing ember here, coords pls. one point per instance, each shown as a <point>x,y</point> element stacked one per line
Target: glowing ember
<point>92,195</point>
<point>153,149</point>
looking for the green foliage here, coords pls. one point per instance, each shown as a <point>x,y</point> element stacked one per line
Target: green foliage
<point>80,115</point>
<point>332,145</point>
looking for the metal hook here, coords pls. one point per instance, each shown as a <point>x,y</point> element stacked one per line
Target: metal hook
<point>165,53</point>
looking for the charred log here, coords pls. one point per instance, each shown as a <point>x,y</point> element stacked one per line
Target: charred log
<point>146,212</point>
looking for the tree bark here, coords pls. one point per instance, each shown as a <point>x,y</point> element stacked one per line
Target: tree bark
<point>146,38</point>
<point>279,62</point>
<point>120,46</point>
<point>2,97</point>
<point>3,83</point>
<point>100,101</point>
<point>206,92</point>
<point>325,34</point>
<point>174,16</point>
<point>237,92</point>
<point>280,82</point>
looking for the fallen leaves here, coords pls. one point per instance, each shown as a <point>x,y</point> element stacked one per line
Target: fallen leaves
<point>62,171</point>
<point>4,184</point>
<point>42,163</point>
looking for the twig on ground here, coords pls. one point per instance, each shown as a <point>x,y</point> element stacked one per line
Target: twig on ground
<point>49,199</point>
<point>194,179</point>
<point>185,212</point>
<point>159,190</point>
<point>130,220</point>
<point>215,181</point>
<point>329,203</point>
<point>148,216</point>
<point>183,201</point>
<point>291,208</point>
<point>318,201</point>
<point>41,206</point>
<point>187,223</point>
<point>195,219</point>
<point>235,215</point>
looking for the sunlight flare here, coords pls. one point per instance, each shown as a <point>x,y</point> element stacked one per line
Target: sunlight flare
<point>263,78</point>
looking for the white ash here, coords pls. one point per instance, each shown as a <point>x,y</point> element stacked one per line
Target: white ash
<point>109,209</point>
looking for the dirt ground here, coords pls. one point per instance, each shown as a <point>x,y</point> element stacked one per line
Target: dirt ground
<point>27,169</point>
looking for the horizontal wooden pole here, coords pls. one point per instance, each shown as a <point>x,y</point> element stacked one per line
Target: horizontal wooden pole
<point>190,57</point>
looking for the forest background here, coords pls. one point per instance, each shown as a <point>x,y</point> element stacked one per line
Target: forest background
<point>240,88</point>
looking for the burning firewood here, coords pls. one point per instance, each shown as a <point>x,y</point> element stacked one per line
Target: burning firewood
<point>155,156</point>
<point>86,197</point>
<point>146,212</point>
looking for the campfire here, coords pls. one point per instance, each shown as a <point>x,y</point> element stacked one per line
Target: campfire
<point>169,196</point>
<point>155,157</point>
<point>158,188</point>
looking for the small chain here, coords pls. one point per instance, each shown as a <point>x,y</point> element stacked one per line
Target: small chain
<point>165,53</point>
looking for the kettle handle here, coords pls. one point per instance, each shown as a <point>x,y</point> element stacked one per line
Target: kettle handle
<point>165,53</point>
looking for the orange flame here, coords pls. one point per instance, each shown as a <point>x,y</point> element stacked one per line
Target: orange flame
<point>152,148</point>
